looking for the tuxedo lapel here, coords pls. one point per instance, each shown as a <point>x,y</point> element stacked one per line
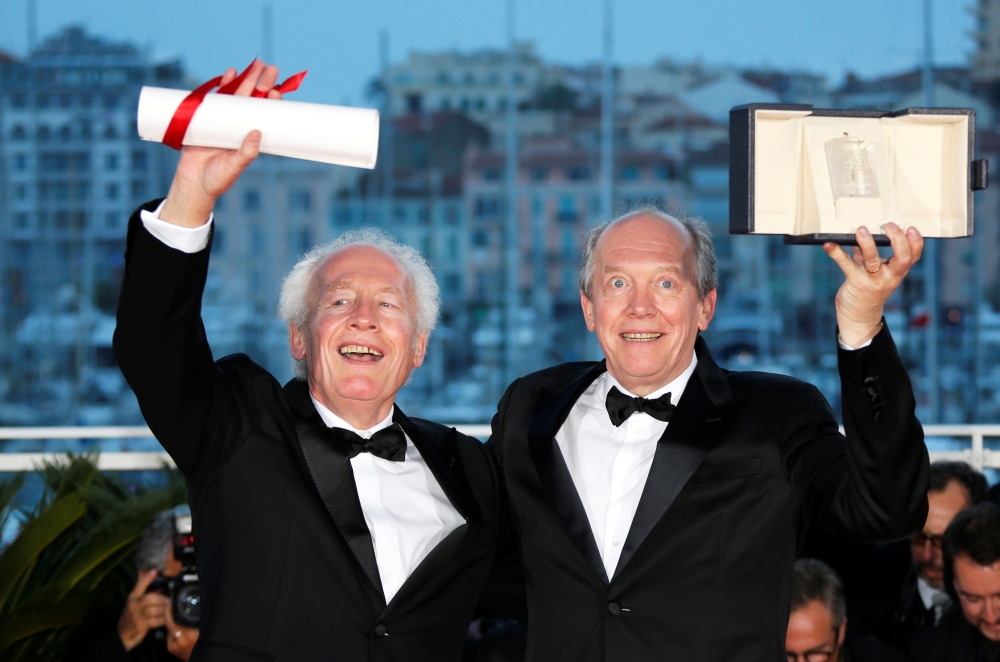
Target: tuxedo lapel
<point>438,447</point>
<point>553,406</point>
<point>703,415</point>
<point>331,472</point>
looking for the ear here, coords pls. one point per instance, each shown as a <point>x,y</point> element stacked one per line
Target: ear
<point>842,633</point>
<point>707,310</point>
<point>296,343</point>
<point>421,350</point>
<point>588,310</point>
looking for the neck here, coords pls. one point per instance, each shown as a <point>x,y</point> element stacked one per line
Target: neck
<point>643,386</point>
<point>361,414</point>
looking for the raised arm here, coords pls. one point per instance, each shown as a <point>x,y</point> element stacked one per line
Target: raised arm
<point>873,485</point>
<point>160,341</point>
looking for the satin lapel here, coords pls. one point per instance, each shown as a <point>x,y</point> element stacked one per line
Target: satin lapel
<point>558,490</point>
<point>439,448</point>
<point>331,472</point>
<point>702,416</point>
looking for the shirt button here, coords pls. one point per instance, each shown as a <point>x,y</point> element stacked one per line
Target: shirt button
<point>615,543</point>
<point>625,481</point>
<point>638,428</point>
<point>380,630</point>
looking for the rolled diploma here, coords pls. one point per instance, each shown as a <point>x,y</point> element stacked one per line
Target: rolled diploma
<point>310,131</point>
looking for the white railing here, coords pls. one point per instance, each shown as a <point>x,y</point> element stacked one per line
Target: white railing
<point>976,454</point>
<point>115,460</point>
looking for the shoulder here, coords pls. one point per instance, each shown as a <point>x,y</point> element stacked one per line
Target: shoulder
<point>865,648</point>
<point>753,383</point>
<point>557,374</point>
<point>951,634</point>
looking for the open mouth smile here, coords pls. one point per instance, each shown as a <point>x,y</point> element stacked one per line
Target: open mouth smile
<point>360,353</point>
<point>640,337</point>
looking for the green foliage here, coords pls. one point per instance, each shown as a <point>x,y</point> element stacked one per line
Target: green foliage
<point>556,97</point>
<point>73,551</point>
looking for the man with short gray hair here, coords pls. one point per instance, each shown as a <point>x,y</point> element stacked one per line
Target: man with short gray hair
<point>660,499</point>
<point>330,525</point>
<point>817,627</point>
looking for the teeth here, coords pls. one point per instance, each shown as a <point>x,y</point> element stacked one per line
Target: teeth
<point>358,349</point>
<point>641,336</point>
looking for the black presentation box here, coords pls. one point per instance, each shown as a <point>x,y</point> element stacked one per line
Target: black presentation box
<point>817,175</point>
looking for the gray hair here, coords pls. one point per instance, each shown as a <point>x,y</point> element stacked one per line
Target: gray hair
<point>156,540</point>
<point>814,580</point>
<point>706,273</point>
<point>294,306</point>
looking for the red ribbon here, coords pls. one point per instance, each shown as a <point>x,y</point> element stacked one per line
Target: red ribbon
<point>177,129</point>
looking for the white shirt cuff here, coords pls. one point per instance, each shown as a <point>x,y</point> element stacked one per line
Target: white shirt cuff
<point>845,346</point>
<point>186,240</point>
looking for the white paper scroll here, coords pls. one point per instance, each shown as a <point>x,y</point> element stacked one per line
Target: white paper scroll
<point>310,131</point>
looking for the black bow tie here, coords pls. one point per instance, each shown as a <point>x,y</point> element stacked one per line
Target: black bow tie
<point>621,406</point>
<point>388,443</point>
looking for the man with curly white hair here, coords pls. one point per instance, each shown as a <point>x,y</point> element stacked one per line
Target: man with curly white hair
<point>330,525</point>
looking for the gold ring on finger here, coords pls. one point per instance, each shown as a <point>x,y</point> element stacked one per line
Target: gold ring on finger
<point>876,269</point>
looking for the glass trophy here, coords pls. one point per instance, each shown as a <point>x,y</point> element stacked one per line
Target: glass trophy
<point>852,167</point>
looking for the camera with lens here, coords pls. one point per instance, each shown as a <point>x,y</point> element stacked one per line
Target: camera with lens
<point>184,591</point>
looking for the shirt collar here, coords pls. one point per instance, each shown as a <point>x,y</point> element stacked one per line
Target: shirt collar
<point>930,596</point>
<point>674,388</point>
<point>333,421</point>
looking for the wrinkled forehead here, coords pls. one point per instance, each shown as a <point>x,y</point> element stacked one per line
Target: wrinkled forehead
<point>645,239</point>
<point>362,267</point>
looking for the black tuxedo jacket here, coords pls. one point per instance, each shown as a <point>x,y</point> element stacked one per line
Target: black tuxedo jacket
<point>285,558</point>
<point>747,463</point>
<point>954,639</point>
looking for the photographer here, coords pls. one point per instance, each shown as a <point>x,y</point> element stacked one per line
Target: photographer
<point>146,630</point>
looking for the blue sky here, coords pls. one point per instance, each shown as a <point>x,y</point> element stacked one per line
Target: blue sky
<point>338,41</point>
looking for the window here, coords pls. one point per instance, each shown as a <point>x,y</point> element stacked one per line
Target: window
<point>629,173</point>
<point>300,199</point>
<point>112,219</point>
<point>20,162</point>
<point>110,132</point>
<point>451,215</point>
<point>44,133</point>
<point>65,101</point>
<point>18,133</point>
<point>256,240</point>
<point>567,209</point>
<point>110,161</point>
<point>486,207</point>
<point>453,248</point>
<point>423,215</point>
<point>491,174</point>
<point>399,214</point>
<point>20,192</point>
<point>86,101</point>
<point>305,239</point>
<point>342,215</point>
<point>539,174</point>
<point>480,238</point>
<point>568,242</point>
<point>42,101</point>
<point>138,188</point>
<point>578,173</point>
<point>111,191</point>
<point>140,160</point>
<point>21,220</point>
<point>110,101</point>
<point>251,200</point>
<point>452,284</point>
<point>19,101</point>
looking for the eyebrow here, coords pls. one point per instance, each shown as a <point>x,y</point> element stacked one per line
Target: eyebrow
<point>673,268</point>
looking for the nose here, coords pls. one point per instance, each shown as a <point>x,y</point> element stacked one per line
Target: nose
<point>363,316</point>
<point>641,303</point>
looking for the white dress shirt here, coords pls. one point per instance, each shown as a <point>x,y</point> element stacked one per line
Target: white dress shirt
<point>406,510</point>
<point>934,599</point>
<point>609,465</point>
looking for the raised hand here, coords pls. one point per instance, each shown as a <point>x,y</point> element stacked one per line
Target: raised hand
<point>870,280</point>
<point>205,173</point>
